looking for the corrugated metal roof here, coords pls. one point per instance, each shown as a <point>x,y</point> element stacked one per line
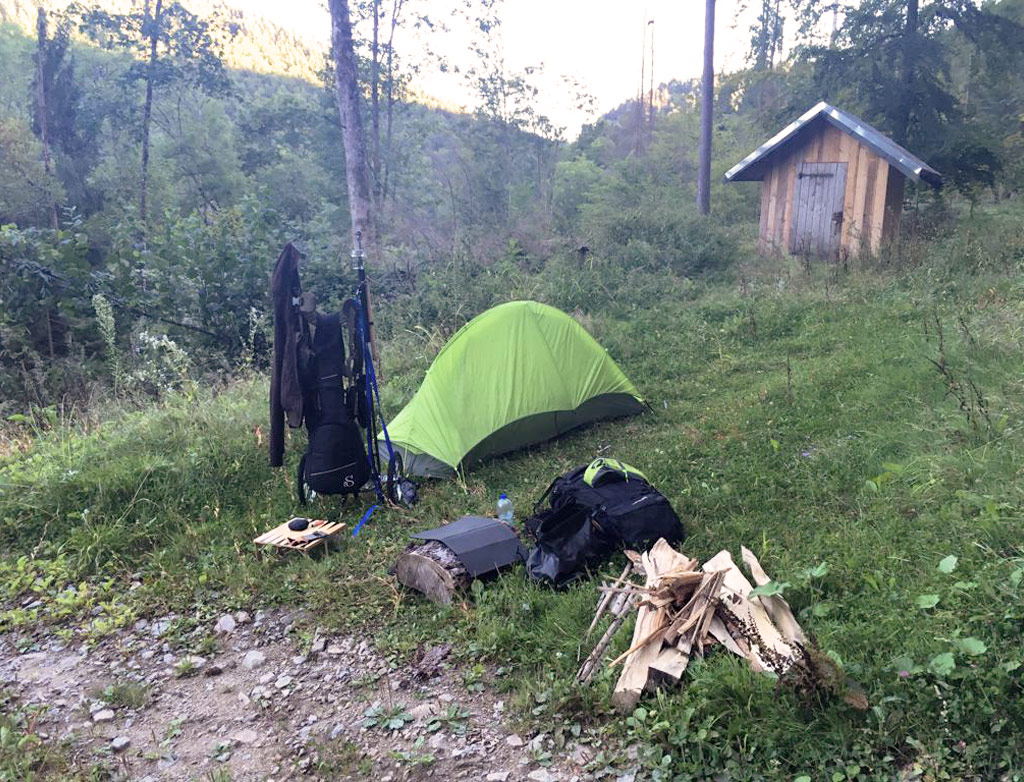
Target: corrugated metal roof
<point>749,170</point>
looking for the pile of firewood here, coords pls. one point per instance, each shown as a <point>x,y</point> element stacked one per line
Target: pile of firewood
<point>683,609</point>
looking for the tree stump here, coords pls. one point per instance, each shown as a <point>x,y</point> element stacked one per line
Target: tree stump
<point>433,569</point>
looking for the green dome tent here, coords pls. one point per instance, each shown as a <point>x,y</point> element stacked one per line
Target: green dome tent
<point>519,373</point>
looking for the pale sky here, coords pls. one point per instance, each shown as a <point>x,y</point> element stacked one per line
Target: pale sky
<point>597,43</point>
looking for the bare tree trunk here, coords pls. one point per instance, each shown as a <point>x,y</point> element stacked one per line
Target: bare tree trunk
<point>41,113</point>
<point>375,102</point>
<point>776,40</point>
<point>707,102</point>
<point>390,99</point>
<point>902,124</point>
<point>147,111</point>
<point>640,112</point>
<point>357,174</point>
<point>650,94</point>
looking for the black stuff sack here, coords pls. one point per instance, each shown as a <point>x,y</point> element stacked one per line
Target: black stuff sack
<point>594,511</point>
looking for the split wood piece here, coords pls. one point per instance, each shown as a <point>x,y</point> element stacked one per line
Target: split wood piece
<point>777,606</point>
<point>661,559</point>
<point>433,569</point>
<point>300,540</point>
<point>697,614</point>
<point>698,609</point>
<point>769,649</point>
<point>720,633</point>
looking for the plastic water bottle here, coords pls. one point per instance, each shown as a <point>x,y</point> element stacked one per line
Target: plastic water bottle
<point>505,509</point>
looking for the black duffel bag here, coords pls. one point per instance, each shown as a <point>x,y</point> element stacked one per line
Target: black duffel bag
<point>594,511</point>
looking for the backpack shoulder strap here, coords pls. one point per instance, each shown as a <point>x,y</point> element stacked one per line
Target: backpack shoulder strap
<point>354,365</point>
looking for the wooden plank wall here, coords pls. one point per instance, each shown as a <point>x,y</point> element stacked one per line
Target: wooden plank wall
<point>871,206</point>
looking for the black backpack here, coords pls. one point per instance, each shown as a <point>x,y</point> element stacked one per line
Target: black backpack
<point>335,461</point>
<point>596,510</point>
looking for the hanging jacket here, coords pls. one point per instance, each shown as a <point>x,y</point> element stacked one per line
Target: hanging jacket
<point>291,351</point>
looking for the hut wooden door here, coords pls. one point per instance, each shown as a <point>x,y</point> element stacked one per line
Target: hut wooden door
<point>818,209</point>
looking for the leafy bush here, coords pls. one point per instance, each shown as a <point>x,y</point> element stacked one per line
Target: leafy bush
<point>665,237</point>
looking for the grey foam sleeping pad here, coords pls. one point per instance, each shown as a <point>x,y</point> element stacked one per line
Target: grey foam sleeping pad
<point>482,544</point>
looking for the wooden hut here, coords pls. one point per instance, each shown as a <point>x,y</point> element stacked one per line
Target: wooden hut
<point>830,183</point>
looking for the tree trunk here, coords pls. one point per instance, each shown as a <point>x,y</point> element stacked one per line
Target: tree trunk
<point>641,113</point>
<point>650,94</point>
<point>390,100</point>
<point>147,111</point>
<point>41,114</point>
<point>902,129</point>
<point>357,174</point>
<point>375,102</point>
<point>707,102</point>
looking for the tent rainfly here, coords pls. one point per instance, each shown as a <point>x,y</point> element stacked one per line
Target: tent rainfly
<point>830,184</point>
<point>518,374</point>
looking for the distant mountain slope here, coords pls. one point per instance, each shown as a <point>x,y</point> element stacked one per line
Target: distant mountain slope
<point>257,45</point>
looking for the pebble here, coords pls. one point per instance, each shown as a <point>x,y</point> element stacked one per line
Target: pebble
<point>438,741</point>
<point>247,736</point>
<point>242,617</point>
<point>253,660</point>
<point>267,678</point>
<point>543,775</point>
<point>103,715</point>
<point>536,744</point>
<point>226,624</point>
<point>337,730</point>
<point>422,711</point>
<point>498,776</point>
<point>159,627</point>
<point>120,743</point>
<point>283,681</point>
<point>514,741</point>
<point>581,755</point>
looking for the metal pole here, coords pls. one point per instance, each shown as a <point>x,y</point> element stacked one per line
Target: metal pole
<point>707,104</point>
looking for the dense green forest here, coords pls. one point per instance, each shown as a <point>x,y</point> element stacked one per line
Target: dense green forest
<point>239,159</point>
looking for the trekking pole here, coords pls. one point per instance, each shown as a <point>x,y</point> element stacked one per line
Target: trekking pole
<point>359,266</point>
<point>365,329</point>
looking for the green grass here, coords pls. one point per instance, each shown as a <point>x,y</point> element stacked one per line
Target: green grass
<point>796,413</point>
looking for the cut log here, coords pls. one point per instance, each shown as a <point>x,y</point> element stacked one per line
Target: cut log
<point>432,568</point>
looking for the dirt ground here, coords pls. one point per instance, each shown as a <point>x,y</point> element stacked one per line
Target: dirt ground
<point>257,707</point>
